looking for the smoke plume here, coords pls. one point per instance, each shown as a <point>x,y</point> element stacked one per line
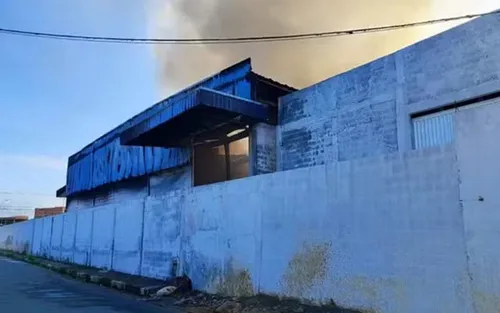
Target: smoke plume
<point>298,63</point>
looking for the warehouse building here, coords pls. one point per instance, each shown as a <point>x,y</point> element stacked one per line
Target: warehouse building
<point>238,123</point>
<point>371,166</point>
<point>219,129</point>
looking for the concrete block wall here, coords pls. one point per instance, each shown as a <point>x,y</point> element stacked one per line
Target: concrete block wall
<point>478,152</point>
<point>56,237</point>
<point>221,242</point>
<point>368,239</point>
<point>367,111</point>
<point>22,237</point>
<point>17,237</point>
<point>68,237</point>
<point>103,230</point>
<point>161,235</point>
<point>168,181</point>
<point>360,233</point>
<point>263,149</point>
<point>394,233</point>
<point>127,237</point>
<point>36,245</point>
<point>46,241</point>
<point>349,116</point>
<point>83,237</point>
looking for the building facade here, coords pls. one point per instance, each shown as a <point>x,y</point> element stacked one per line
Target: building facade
<point>400,102</point>
<point>383,197</point>
<point>12,220</point>
<point>397,103</point>
<point>219,129</point>
<point>43,212</point>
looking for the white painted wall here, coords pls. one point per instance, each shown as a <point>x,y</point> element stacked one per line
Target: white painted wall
<point>103,223</point>
<point>36,248</point>
<point>478,152</point>
<point>369,232</point>
<point>56,238</point>
<point>162,235</point>
<point>68,237</point>
<point>361,233</point>
<point>128,237</point>
<point>384,234</point>
<point>83,237</point>
<point>46,244</point>
<point>221,235</point>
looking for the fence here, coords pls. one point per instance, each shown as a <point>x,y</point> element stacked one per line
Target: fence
<point>361,233</point>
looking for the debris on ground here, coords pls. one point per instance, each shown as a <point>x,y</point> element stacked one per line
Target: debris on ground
<point>165,291</point>
<point>199,302</point>
<point>229,307</point>
<point>177,285</point>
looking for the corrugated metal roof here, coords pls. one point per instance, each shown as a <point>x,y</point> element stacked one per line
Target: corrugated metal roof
<point>204,109</point>
<point>227,76</point>
<point>274,82</point>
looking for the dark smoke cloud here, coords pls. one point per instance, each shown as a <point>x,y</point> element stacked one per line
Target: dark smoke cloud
<point>298,63</point>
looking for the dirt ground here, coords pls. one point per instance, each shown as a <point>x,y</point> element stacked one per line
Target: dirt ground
<point>198,302</point>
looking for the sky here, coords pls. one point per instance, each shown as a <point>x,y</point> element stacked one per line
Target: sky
<point>58,96</point>
<point>297,63</point>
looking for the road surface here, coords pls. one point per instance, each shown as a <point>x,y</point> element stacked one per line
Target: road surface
<point>25,288</point>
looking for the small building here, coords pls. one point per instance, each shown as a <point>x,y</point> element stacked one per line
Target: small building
<point>43,212</point>
<point>12,219</point>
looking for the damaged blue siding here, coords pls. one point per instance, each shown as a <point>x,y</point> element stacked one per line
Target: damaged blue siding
<point>106,161</point>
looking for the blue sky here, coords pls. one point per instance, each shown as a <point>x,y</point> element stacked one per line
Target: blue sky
<point>58,96</point>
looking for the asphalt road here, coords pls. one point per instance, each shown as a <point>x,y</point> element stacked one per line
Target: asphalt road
<point>25,288</point>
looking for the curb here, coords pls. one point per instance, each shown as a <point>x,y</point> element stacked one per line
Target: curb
<point>83,276</point>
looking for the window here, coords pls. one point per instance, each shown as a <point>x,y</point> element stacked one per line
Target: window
<point>433,129</point>
<point>239,160</point>
<point>221,159</point>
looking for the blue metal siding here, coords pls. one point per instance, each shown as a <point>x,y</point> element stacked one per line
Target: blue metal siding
<point>106,161</point>
<point>433,130</point>
<point>80,175</point>
<point>113,163</point>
